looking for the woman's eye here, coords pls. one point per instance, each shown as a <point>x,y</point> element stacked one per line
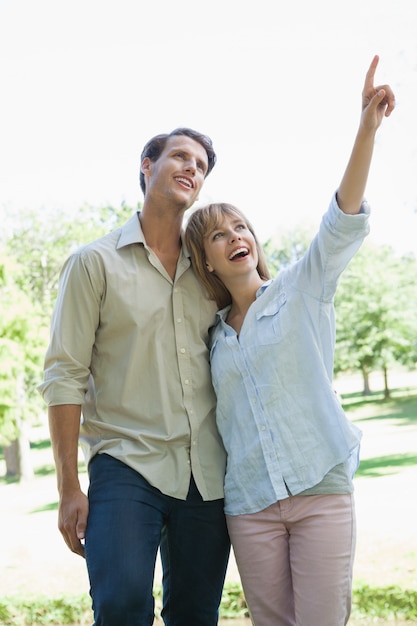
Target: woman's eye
<point>217,236</point>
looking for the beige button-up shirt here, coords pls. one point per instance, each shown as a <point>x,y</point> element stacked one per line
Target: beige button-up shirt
<point>130,346</point>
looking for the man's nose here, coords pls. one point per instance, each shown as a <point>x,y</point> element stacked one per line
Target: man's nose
<point>191,166</point>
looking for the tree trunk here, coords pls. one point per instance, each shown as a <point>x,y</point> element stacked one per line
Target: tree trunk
<point>387,394</point>
<point>11,456</point>
<point>17,454</point>
<point>366,387</point>
<point>18,461</point>
<point>25,465</point>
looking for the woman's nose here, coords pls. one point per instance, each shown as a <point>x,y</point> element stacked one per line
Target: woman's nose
<point>234,236</point>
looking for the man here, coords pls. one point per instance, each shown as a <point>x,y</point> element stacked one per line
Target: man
<point>129,347</point>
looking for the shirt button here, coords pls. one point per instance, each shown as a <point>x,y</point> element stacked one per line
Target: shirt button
<point>186,381</point>
<point>179,320</point>
<point>182,350</point>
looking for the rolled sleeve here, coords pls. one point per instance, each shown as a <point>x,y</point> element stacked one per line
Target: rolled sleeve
<point>73,326</point>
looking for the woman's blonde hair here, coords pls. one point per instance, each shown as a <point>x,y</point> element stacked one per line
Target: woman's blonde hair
<point>200,224</point>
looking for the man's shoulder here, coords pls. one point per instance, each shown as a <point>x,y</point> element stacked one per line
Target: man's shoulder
<point>102,247</point>
<point>94,256</point>
<point>106,242</point>
<point>126,234</point>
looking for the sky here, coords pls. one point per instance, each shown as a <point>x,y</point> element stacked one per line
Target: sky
<point>276,85</point>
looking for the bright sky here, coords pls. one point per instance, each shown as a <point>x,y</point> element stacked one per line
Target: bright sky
<point>277,85</point>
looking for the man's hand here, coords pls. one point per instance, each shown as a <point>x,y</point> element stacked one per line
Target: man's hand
<point>72,520</point>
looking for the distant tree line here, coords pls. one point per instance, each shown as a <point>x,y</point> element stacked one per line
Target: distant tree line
<point>376,308</point>
<point>33,247</point>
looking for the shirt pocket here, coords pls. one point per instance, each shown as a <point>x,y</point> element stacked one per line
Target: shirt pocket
<point>269,321</point>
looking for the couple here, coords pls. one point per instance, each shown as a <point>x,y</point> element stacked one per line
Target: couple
<point>130,345</point>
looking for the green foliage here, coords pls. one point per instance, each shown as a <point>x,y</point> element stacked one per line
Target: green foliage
<point>376,304</point>
<point>42,241</point>
<point>46,611</point>
<point>22,340</point>
<point>233,602</point>
<point>35,245</point>
<point>376,308</point>
<point>385,602</point>
<point>388,603</point>
<point>288,249</point>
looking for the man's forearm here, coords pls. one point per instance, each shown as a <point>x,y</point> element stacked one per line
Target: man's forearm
<point>64,428</point>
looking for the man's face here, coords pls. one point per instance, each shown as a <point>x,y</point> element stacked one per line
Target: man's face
<point>178,174</point>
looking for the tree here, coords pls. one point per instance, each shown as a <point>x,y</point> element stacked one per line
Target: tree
<point>376,305</point>
<point>35,250</point>
<point>21,344</point>
<point>376,309</point>
<point>288,249</point>
<point>41,241</point>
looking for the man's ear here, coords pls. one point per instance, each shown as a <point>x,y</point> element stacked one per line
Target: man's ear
<point>145,165</point>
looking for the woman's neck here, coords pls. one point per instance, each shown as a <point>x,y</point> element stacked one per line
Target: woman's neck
<point>243,295</point>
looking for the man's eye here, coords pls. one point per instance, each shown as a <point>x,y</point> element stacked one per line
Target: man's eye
<point>217,236</point>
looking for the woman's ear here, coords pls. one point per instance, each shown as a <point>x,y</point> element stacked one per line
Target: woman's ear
<point>209,267</point>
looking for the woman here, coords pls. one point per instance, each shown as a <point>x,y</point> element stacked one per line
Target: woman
<point>291,450</point>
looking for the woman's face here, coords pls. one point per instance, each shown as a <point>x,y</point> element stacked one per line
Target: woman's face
<point>230,248</point>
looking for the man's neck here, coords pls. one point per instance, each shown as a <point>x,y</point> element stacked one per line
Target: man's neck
<point>161,224</point>
<point>162,232</point>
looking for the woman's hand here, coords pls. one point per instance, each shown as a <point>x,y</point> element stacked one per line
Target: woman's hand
<point>377,102</point>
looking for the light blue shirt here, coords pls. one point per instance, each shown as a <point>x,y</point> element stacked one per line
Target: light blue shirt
<point>280,420</point>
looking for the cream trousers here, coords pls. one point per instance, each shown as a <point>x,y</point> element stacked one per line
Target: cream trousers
<point>295,560</point>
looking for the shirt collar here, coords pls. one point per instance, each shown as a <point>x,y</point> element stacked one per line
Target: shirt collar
<point>222,314</point>
<point>263,287</point>
<point>131,232</point>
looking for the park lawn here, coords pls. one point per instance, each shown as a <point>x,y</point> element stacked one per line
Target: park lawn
<point>35,561</point>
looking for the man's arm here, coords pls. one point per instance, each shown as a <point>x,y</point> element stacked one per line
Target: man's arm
<point>64,427</point>
<point>377,102</point>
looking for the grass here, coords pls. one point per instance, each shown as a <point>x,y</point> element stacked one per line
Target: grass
<point>400,407</point>
<point>384,465</point>
<point>398,411</point>
<point>385,604</point>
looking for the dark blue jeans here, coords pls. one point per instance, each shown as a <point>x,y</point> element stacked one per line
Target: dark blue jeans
<point>128,521</point>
